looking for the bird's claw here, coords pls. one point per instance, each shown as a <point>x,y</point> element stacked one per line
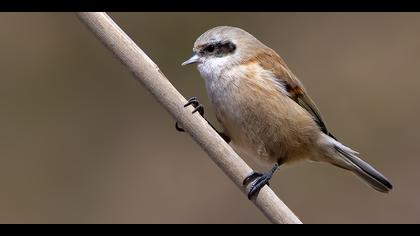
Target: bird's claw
<point>178,128</point>
<point>197,108</point>
<point>260,179</point>
<point>196,104</point>
<point>251,177</point>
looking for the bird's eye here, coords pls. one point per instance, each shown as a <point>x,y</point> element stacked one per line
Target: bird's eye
<point>210,48</point>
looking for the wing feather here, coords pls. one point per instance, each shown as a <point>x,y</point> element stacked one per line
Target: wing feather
<point>270,60</point>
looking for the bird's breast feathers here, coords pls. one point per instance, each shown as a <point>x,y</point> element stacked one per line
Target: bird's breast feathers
<point>258,105</point>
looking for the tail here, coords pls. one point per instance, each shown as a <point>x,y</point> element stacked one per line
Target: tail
<point>361,168</point>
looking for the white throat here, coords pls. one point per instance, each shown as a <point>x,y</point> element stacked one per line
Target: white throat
<point>219,79</point>
<point>211,69</point>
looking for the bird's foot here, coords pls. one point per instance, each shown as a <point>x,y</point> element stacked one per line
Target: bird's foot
<point>198,107</point>
<point>259,180</point>
<point>193,101</point>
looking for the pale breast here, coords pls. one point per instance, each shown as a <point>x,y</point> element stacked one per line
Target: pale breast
<point>258,116</point>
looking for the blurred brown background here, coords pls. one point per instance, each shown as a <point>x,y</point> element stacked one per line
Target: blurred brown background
<point>82,142</point>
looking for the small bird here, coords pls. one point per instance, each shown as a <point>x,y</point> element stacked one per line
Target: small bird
<point>264,110</point>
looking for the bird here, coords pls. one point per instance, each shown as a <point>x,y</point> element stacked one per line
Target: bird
<point>265,111</point>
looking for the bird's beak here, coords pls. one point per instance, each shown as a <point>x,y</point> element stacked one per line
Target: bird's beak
<point>194,59</point>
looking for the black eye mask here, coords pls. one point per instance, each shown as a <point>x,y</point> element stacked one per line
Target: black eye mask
<point>219,49</point>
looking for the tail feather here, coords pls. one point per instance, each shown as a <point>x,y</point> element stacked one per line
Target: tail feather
<point>363,169</point>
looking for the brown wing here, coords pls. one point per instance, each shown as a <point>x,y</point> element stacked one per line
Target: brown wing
<point>270,60</point>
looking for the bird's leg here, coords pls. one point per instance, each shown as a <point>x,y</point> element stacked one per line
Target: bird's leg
<point>261,179</point>
<point>200,108</point>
